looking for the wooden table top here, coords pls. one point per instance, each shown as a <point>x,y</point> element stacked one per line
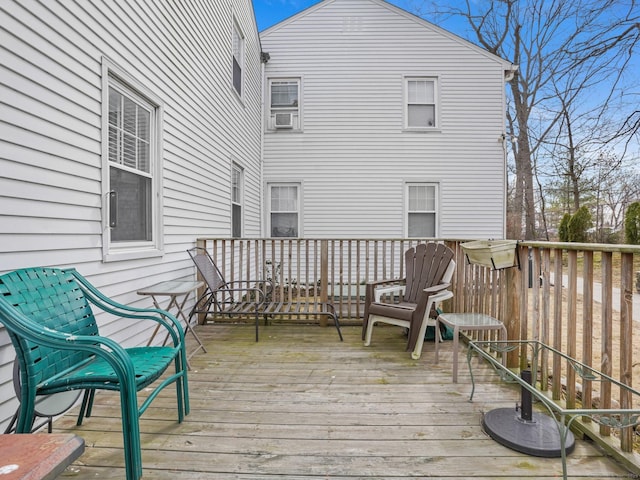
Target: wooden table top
<point>37,456</point>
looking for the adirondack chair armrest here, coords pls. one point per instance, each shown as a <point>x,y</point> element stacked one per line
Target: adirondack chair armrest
<point>436,288</point>
<point>379,283</point>
<point>372,289</point>
<point>435,299</point>
<point>432,296</point>
<point>380,291</point>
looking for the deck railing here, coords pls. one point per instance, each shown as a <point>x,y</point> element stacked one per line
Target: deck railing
<point>577,298</point>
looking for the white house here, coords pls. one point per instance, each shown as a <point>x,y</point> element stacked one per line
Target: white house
<point>130,129</point>
<point>378,123</point>
<point>157,101</point>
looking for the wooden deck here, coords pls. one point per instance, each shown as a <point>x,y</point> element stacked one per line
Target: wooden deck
<point>300,404</point>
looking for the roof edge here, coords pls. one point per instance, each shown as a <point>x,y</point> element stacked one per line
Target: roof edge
<point>508,65</point>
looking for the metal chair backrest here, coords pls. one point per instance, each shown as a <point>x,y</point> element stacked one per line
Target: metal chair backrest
<point>53,299</point>
<point>208,270</point>
<point>210,274</point>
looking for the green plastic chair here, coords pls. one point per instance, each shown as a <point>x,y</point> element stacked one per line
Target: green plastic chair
<point>48,315</point>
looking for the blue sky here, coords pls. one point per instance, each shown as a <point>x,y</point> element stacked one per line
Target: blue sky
<point>270,12</point>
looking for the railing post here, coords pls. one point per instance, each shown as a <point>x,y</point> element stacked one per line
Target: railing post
<point>626,343</point>
<point>523,300</point>
<point>512,311</point>
<point>324,277</point>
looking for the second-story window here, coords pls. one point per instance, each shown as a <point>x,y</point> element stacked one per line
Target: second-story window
<point>420,96</point>
<point>237,57</point>
<point>284,112</point>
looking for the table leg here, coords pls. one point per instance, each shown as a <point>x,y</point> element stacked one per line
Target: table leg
<point>155,330</point>
<point>179,313</point>
<point>503,337</point>
<point>189,327</point>
<point>456,342</point>
<point>437,338</point>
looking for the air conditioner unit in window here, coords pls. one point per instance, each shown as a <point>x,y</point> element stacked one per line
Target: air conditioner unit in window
<point>284,120</point>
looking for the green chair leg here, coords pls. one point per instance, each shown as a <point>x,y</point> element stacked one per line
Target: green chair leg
<point>131,434</point>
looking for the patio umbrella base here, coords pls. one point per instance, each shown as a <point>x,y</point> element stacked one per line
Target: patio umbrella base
<point>538,437</point>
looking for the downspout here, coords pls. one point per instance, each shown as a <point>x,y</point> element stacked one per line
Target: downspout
<point>264,58</point>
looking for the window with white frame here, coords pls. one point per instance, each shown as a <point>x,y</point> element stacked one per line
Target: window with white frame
<point>284,210</point>
<point>237,45</point>
<point>236,200</point>
<point>422,210</point>
<point>420,94</point>
<point>131,168</point>
<point>284,97</point>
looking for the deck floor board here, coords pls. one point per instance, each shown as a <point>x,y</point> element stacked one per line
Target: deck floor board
<point>300,404</point>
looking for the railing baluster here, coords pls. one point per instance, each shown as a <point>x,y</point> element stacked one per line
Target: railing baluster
<point>556,368</point>
<point>606,354</point>
<point>587,327</point>
<point>626,342</point>
<point>572,316</point>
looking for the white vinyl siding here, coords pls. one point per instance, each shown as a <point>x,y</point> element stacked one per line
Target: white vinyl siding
<point>52,201</point>
<point>355,152</point>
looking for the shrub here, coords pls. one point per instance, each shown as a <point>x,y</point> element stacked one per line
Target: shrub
<point>632,224</point>
<point>563,229</point>
<point>579,224</point>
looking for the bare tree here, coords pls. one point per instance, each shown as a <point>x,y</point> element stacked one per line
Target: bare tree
<point>564,50</point>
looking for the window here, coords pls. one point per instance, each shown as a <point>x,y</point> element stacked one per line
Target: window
<point>237,46</point>
<point>420,103</point>
<point>285,104</point>
<point>284,214</point>
<point>236,200</point>
<point>421,210</point>
<point>131,172</point>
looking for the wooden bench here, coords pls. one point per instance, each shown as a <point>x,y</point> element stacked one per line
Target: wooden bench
<point>562,416</point>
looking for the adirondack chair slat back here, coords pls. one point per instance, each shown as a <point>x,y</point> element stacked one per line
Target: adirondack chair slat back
<point>53,299</point>
<point>425,264</point>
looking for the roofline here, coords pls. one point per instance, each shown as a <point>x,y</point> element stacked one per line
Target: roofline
<point>510,68</point>
<point>295,16</point>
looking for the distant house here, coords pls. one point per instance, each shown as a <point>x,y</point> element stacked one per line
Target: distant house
<point>378,123</point>
<point>127,132</point>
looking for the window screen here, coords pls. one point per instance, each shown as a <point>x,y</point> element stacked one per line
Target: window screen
<point>421,109</point>
<point>284,211</point>
<point>421,211</point>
